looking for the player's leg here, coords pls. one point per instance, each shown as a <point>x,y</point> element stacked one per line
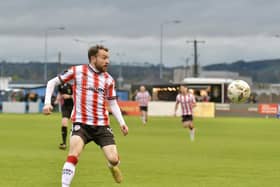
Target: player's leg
<point>111,154</point>
<point>146,114</point>
<point>66,113</point>
<point>144,117</point>
<point>142,114</point>
<point>68,171</point>
<point>192,131</point>
<point>188,123</point>
<point>64,130</point>
<point>105,139</point>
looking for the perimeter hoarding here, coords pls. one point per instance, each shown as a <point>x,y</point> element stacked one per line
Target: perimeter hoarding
<point>268,109</point>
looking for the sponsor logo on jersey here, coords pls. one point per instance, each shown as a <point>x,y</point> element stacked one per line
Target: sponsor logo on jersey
<point>96,90</point>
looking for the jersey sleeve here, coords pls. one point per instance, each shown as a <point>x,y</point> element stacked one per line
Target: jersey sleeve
<point>137,96</point>
<point>111,92</point>
<point>67,75</point>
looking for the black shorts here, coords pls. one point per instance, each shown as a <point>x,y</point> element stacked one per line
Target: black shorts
<point>143,108</point>
<point>66,111</point>
<point>187,118</point>
<point>101,135</point>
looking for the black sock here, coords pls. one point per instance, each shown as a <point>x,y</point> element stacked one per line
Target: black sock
<point>64,134</point>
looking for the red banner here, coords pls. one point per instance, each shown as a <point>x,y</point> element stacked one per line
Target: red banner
<point>128,108</point>
<point>268,108</point>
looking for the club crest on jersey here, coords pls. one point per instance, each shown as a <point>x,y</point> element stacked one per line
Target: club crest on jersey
<point>77,127</point>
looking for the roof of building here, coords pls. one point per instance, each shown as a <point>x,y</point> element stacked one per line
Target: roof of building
<point>198,80</point>
<point>151,81</point>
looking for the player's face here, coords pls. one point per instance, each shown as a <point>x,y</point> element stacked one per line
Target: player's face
<point>142,88</point>
<point>183,89</point>
<point>101,61</point>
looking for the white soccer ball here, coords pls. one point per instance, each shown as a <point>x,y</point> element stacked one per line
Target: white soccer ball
<point>238,91</point>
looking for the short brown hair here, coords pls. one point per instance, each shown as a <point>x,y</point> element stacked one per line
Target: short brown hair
<point>94,50</point>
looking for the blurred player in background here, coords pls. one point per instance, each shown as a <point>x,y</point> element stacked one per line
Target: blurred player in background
<point>65,100</point>
<point>191,91</point>
<point>187,101</point>
<point>143,97</point>
<point>92,87</point>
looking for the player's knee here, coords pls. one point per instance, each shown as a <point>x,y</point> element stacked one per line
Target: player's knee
<point>75,150</point>
<point>191,126</point>
<point>64,122</point>
<point>186,125</point>
<point>114,160</point>
<point>74,153</point>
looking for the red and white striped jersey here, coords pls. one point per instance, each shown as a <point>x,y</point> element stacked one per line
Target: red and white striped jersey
<point>143,98</point>
<point>187,101</point>
<point>91,89</point>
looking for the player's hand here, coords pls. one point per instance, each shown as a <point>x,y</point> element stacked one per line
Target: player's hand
<point>47,109</point>
<point>66,96</point>
<point>124,129</point>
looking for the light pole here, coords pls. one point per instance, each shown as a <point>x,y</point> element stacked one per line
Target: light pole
<point>46,49</point>
<point>2,68</point>
<point>161,44</point>
<point>120,78</point>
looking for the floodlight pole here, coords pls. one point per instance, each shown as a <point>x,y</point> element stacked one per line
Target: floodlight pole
<point>161,44</point>
<point>46,50</point>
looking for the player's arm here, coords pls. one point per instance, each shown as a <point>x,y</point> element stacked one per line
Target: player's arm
<point>116,111</point>
<point>150,98</point>
<point>194,102</point>
<point>64,77</point>
<point>136,97</point>
<point>47,109</point>
<point>58,98</point>
<point>176,107</point>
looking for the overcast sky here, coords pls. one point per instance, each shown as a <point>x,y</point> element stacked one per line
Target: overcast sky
<point>232,30</point>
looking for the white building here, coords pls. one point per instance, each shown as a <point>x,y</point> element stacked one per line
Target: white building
<point>4,82</point>
<point>183,72</point>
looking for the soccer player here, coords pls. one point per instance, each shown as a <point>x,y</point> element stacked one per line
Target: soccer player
<point>64,97</point>
<point>143,97</point>
<point>187,101</point>
<point>92,86</point>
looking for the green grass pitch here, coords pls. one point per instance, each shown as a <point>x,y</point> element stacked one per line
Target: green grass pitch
<point>227,152</point>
